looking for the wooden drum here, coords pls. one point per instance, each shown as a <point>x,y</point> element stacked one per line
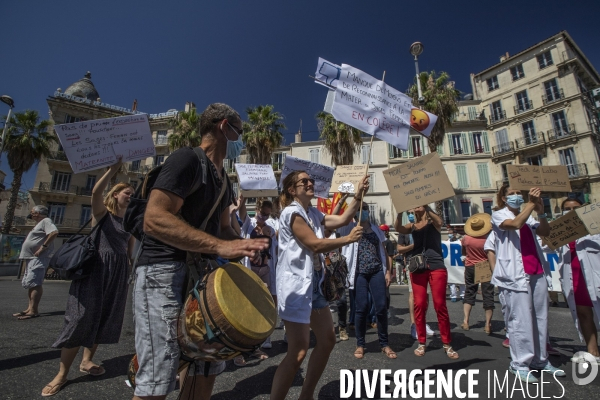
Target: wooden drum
<point>238,308</point>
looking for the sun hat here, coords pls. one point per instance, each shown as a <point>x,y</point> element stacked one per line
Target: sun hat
<point>478,225</point>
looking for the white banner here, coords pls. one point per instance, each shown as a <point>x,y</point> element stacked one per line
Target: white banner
<point>322,174</point>
<point>256,180</point>
<point>373,107</point>
<point>456,269</point>
<point>327,73</point>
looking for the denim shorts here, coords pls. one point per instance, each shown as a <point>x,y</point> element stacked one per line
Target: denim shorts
<point>35,272</point>
<point>157,302</point>
<point>318,300</point>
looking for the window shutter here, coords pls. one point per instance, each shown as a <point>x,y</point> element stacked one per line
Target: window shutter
<point>486,145</point>
<point>484,176</point>
<point>461,173</point>
<point>411,153</point>
<point>452,210</point>
<point>449,139</point>
<point>471,145</point>
<point>440,149</point>
<point>472,113</point>
<point>390,151</point>
<point>424,146</point>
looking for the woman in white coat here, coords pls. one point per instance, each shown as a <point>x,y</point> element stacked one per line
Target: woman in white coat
<point>300,302</point>
<point>579,268</point>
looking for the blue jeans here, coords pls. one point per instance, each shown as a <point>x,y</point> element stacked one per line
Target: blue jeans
<point>352,316</point>
<point>318,300</point>
<point>376,284</point>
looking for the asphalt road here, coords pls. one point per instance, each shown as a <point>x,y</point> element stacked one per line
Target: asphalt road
<point>27,362</point>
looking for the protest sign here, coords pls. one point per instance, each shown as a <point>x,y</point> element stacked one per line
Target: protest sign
<point>552,178</point>
<point>372,106</point>
<point>327,73</point>
<point>422,121</point>
<point>347,177</point>
<point>590,216</point>
<point>483,272</point>
<point>256,180</point>
<point>322,174</point>
<point>418,182</point>
<point>94,144</point>
<point>564,230</point>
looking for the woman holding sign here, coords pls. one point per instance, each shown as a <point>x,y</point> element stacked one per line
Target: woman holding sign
<point>580,279</point>
<point>522,275</point>
<point>300,302</point>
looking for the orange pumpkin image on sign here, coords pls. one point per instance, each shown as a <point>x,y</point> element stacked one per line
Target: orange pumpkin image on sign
<point>419,119</point>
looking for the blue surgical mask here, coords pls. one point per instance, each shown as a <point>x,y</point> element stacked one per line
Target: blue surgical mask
<point>364,216</point>
<point>234,147</point>
<point>411,218</point>
<point>514,201</point>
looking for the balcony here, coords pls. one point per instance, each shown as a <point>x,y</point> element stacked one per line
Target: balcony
<point>556,96</point>
<point>61,222</point>
<point>503,148</point>
<point>84,191</point>
<point>161,141</point>
<point>64,189</point>
<point>577,170</point>
<point>524,106</point>
<point>528,141</point>
<point>497,116</point>
<point>556,134</point>
<point>58,156</point>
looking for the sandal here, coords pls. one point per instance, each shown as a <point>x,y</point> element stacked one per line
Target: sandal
<point>389,353</point>
<point>53,389</point>
<point>96,370</point>
<point>465,326</point>
<point>20,314</point>
<point>450,352</point>
<point>261,355</point>
<point>420,351</point>
<point>488,329</point>
<point>239,361</point>
<point>27,316</point>
<point>359,352</point>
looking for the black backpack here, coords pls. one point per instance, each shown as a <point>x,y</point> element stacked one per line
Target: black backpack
<point>133,221</point>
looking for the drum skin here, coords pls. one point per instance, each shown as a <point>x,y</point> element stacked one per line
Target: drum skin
<point>238,304</point>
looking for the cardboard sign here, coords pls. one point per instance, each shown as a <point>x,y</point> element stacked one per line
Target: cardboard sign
<point>590,216</point>
<point>552,178</point>
<point>322,174</point>
<point>94,144</point>
<point>346,178</point>
<point>418,182</point>
<point>564,230</point>
<point>483,272</point>
<point>256,180</point>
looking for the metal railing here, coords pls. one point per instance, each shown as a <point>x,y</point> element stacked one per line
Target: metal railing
<point>60,221</point>
<point>547,99</point>
<point>532,140</point>
<point>525,106</point>
<point>161,140</point>
<point>48,187</point>
<point>555,134</point>
<point>84,191</point>
<point>577,170</point>
<point>503,148</point>
<point>58,156</point>
<point>497,116</point>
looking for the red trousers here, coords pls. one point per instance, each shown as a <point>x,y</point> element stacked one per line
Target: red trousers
<point>438,280</point>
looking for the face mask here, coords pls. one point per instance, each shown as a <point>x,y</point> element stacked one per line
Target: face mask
<point>514,201</point>
<point>364,215</point>
<point>261,218</point>
<point>234,147</point>
<point>411,218</point>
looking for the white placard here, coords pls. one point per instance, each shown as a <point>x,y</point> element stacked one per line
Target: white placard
<point>373,107</point>
<point>322,174</point>
<point>94,144</point>
<point>327,73</point>
<point>256,180</point>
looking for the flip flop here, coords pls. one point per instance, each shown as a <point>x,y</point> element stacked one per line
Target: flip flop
<point>96,370</point>
<point>28,316</point>
<point>261,355</point>
<point>389,353</point>
<point>359,352</point>
<point>20,314</point>
<point>239,361</point>
<point>53,389</point>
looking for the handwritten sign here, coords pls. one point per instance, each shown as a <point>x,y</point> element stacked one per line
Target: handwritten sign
<point>564,230</point>
<point>94,144</point>
<point>372,106</point>
<point>322,174</point>
<point>256,180</point>
<point>590,216</point>
<point>418,182</point>
<point>552,178</point>
<point>347,177</point>
<point>483,272</point>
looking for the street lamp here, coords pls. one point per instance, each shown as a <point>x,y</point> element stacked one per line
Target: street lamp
<point>11,103</point>
<point>416,49</point>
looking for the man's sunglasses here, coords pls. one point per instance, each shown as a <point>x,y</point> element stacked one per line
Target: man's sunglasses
<point>305,181</point>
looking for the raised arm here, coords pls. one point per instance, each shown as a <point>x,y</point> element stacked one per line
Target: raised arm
<point>337,221</point>
<point>403,229</point>
<point>242,211</point>
<point>308,239</point>
<point>535,203</point>
<point>98,208</point>
<point>435,219</point>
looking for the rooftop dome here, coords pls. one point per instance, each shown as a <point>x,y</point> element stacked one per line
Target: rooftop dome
<point>84,88</point>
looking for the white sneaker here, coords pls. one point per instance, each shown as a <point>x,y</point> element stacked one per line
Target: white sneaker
<point>430,332</point>
<point>582,360</point>
<point>267,344</point>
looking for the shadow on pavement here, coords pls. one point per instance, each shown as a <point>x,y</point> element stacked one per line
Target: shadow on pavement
<point>29,359</point>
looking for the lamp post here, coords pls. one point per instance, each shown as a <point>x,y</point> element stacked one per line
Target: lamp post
<point>11,103</point>
<point>416,49</point>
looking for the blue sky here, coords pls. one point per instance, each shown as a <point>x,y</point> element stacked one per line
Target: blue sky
<point>247,53</point>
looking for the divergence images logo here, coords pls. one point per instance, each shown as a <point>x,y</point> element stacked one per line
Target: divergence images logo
<point>586,366</point>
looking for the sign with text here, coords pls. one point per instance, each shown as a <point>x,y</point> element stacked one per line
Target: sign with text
<point>418,182</point>
<point>256,180</point>
<point>346,178</point>
<point>372,106</point>
<point>94,144</point>
<point>564,230</point>
<point>551,178</point>
<point>322,174</point>
<point>590,216</point>
<point>483,272</point>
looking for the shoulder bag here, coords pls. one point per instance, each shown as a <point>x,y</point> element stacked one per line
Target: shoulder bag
<point>418,263</point>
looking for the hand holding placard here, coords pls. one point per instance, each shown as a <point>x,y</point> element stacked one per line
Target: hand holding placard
<point>552,178</point>
<point>347,178</point>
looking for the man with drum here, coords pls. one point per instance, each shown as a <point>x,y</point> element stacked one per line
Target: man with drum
<point>173,216</point>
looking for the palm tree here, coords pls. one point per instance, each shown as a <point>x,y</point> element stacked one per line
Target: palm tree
<point>262,133</point>
<point>27,141</point>
<point>186,130</point>
<point>441,99</point>
<point>341,140</point>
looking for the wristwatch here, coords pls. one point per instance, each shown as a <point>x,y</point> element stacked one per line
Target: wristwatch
<point>544,215</point>
<point>44,246</point>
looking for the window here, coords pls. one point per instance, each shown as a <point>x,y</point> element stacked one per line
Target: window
<point>278,160</point>
<point>70,119</point>
<point>446,212</point>
<point>492,83</point>
<point>236,187</point>
<point>535,160</point>
<point>371,182</point>
<point>61,181</point>
<point>497,113</point>
<point>415,143</point>
<point>523,103</point>
<point>135,165</point>
<point>395,152</point>
<point>479,143</point>
<point>544,59</point>
<point>472,113</point>
<point>373,213</point>
<point>365,154</point>
<point>314,155</point>
<point>91,181</point>
<point>484,175</point>
<point>161,137</point>
<point>487,205</point>
<point>86,214</point>
<point>517,72</point>
<point>504,172</point>
<point>228,165</point>
<point>529,133</point>
<point>551,91</point>
<point>465,208</point>
<point>567,157</point>
<point>158,160</point>
<point>502,140</point>
<point>56,212</point>
<point>547,206</point>
<point>559,121</point>
<point>461,173</point>
<point>456,145</point>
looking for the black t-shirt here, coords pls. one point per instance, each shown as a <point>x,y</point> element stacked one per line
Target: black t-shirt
<point>429,239</point>
<point>178,174</point>
<point>390,247</point>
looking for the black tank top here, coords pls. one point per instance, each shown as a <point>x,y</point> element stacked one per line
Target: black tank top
<point>429,239</point>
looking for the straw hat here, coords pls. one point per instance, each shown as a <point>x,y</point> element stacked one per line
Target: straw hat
<point>478,225</point>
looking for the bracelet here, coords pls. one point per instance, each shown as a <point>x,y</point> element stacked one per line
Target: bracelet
<point>44,246</point>
<point>544,215</point>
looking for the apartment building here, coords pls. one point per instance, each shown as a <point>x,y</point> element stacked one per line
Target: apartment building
<point>539,110</point>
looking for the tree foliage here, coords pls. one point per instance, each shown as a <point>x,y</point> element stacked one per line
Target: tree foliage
<point>341,140</point>
<point>186,130</point>
<point>262,133</point>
